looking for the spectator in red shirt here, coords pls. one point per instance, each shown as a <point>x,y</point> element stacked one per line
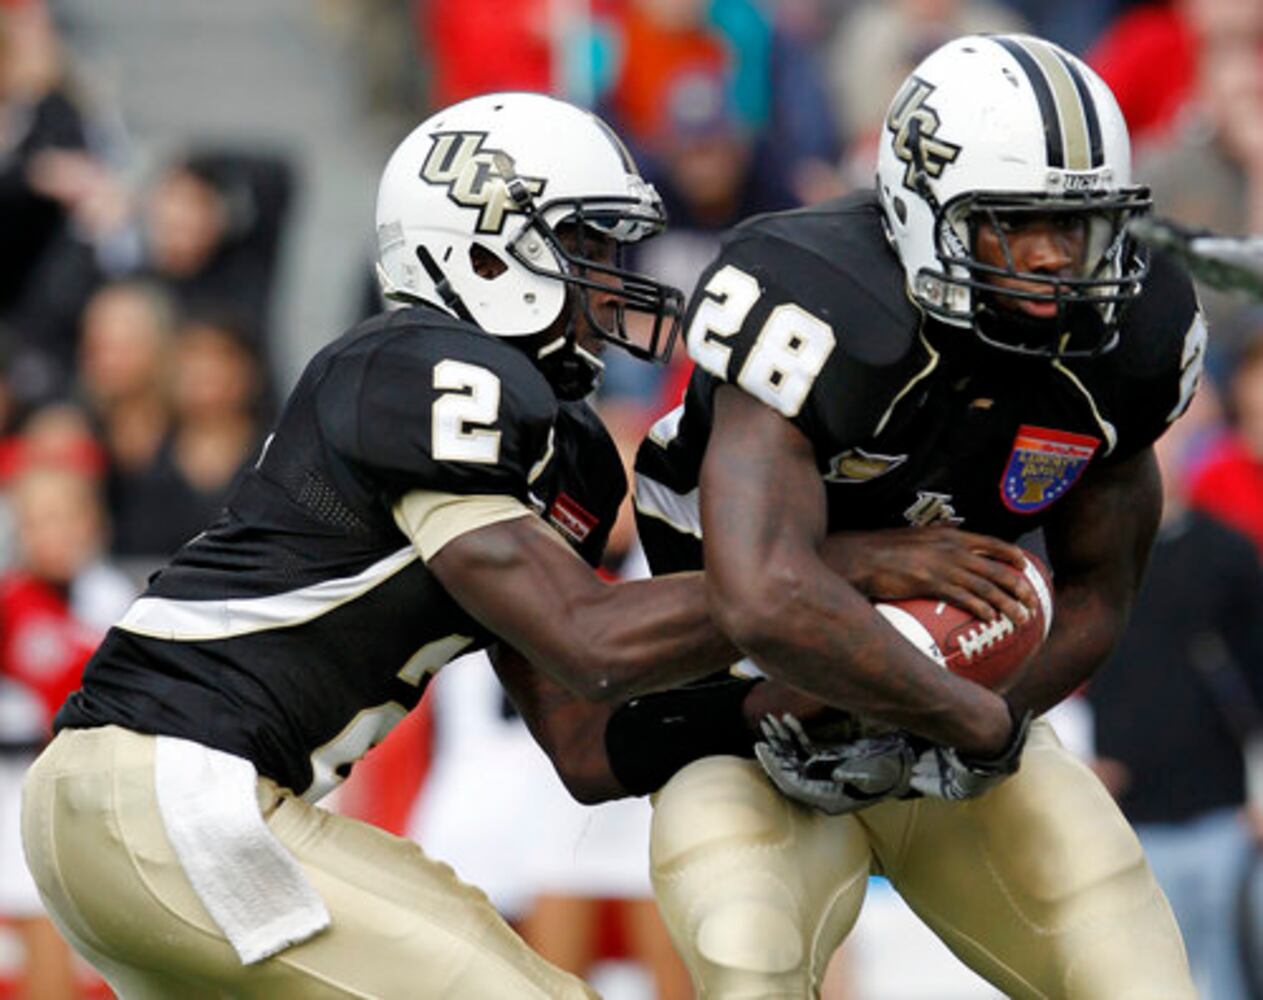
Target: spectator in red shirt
<point>55,604</point>
<point>1179,37</point>
<point>478,46</point>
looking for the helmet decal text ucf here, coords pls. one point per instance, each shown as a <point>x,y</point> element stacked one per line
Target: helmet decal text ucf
<point>458,161</point>
<point>909,109</point>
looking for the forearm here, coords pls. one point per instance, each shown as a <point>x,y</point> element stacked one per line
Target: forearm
<point>569,729</point>
<point>764,518</point>
<point>1085,629</point>
<point>601,752</point>
<point>653,634</point>
<point>827,641</point>
<point>604,642</point>
<point>579,755</point>
<point>1098,543</point>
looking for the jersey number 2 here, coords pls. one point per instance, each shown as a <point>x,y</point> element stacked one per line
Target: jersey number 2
<point>462,417</point>
<point>787,355</point>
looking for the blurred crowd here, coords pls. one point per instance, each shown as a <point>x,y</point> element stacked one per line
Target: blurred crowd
<point>138,331</point>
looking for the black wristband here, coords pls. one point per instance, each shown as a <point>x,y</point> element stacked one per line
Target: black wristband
<point>1007,760</point>
<point>649,738</point>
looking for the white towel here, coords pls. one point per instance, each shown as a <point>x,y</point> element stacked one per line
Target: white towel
<point>246,878</point>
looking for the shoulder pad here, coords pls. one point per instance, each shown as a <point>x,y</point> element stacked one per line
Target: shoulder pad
<point>1149,379</point>
<point>427,402</point>
<point>807,311</point>
<point>1153,330</point>
<point>834,260</point>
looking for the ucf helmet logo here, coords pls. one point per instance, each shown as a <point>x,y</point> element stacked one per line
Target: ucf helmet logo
<point>472,176</point>
<point>909,109</point>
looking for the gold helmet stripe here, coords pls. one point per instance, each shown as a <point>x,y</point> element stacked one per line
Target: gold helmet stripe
<point>1071,130</point>
<point>1074,126</point>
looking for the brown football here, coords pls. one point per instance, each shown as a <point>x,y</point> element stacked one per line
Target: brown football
<point>990,653</point>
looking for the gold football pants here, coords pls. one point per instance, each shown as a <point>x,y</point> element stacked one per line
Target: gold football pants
<point>1040,885</point>
<point>402,924</point>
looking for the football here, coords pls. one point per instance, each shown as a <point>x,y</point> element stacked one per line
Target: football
<point>990,653</point>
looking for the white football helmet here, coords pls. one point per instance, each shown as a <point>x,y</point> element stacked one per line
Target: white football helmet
<point>987,128</point>
<point>499,174</point>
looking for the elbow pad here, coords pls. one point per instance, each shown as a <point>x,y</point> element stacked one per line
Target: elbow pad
<point>651,737</point>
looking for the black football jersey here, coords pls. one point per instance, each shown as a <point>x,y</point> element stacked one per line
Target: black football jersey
<point>912,422</point>
<point>302,625</point>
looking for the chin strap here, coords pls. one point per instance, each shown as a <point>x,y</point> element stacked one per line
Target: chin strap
<point>444,288</point>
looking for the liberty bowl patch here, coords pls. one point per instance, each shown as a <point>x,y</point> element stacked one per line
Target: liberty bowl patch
<point>1044,464</point>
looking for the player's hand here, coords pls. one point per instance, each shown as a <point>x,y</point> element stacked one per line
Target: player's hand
<point>944,773</point>
<point>838,778</point>
<point>845,777</point>
<point>977,573</point>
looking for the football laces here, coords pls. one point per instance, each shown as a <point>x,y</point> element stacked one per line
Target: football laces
<point>981,637</point>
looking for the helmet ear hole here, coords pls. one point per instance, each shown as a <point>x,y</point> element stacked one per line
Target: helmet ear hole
<point>486,263</point>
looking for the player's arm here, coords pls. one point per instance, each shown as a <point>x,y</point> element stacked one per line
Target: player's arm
<point>601,751</point>
<point>1098,543</point>
<point>571,730</point>
<point>722,719</point>
<point>605,642</point>
<point>764,519</point>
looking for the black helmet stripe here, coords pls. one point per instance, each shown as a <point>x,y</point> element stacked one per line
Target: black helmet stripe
<point>1044,95</point>
<point>1072,130</point>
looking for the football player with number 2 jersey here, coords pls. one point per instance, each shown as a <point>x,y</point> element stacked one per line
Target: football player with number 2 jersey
<point>975,348</point>
<point>435,484</point>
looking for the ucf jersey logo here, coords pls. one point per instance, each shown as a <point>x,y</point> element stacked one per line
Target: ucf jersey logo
<point>932,508</point>
<point>473,177</point>
<point>909,109</point>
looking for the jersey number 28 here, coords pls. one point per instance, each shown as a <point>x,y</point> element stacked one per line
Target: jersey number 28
<point>787,355</point>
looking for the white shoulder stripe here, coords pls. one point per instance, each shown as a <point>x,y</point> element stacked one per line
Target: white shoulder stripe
<point>680,510</point>
<point>189,621</point>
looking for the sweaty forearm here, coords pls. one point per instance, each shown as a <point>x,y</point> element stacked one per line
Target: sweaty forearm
<point>764,518</point>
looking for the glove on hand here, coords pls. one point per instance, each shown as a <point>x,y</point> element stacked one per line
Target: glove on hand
<point>844,777</point>
<point>839,778</point>
<point>944,773</point>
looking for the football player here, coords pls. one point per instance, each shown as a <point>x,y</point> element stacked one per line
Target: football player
<point>435,484</point>
<point>976,345</point>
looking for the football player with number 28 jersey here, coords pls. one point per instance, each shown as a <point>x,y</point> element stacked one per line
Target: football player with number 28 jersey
<point>974,348</point>
<point>435,484</point>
